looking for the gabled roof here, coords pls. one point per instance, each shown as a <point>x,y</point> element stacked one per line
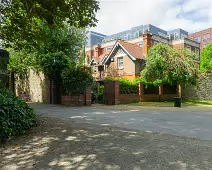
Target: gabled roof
<point>99,59</point>
<point>134,51</point>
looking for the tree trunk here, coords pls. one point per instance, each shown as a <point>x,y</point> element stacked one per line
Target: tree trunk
<point>12,81</point>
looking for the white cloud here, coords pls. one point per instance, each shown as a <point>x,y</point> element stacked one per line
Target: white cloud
<point>119,15</point>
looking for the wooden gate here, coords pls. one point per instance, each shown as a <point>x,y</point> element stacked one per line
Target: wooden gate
<point>111,90</point>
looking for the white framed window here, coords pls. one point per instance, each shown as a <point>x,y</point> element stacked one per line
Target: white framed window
<point>95,69</point>
<point>205,38</point>
<point>209,36</point>
<point>120,62</point>
<point>197,53</point>
<point>106,68</point>
<point>199,39</point>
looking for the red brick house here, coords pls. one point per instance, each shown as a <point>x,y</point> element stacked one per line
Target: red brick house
<point>204,37</point>
<point>126,59</point>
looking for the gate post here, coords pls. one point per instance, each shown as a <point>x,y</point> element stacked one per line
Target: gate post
<point>111,93</point>
<point>160,91</point>
<point>141,90</point>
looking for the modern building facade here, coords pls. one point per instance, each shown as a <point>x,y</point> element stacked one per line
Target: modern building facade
<point>134,33</point>
<point>94,38</point>
<point>203,37</point>
<point>138,31</point>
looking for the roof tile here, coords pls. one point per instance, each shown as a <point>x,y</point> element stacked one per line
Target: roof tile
<point>136,51</point>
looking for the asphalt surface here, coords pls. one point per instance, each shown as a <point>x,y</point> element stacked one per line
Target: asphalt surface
<point>178,122</point>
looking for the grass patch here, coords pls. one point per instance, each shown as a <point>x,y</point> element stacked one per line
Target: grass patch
<point>199,102</point>
<point>171,104</point>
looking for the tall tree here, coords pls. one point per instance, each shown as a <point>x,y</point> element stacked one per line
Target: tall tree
<point>21,19</point>
<point>206,60</point>
<point>170,66</point>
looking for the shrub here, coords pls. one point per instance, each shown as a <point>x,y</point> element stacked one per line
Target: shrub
<point>76,80</point>
<point>100,95</point>
<point>16,117</point>
<point>128,87</point>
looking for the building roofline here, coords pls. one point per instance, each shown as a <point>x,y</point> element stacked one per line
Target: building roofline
<point>98,33</point>
<point>200,31</point>
<point>114,47</point>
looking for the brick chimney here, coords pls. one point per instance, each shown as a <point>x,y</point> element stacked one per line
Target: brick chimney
<point>98,50</point>
<point>147,38</point>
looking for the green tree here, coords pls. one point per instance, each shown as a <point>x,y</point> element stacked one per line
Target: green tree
<point>68,40</point>
<point>170,66</point>
<point>4,60</point>
<point>59,52</point>
<point>21,19</point>
<point>206,60</point>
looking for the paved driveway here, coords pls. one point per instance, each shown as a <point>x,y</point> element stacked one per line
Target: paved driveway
<point>178,122</point>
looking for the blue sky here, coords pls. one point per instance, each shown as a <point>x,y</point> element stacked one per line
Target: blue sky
<point>119,15</point>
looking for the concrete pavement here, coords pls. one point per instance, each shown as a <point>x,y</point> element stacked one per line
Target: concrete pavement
<point>189,122</point>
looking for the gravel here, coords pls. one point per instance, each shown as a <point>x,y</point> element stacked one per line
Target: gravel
<point>59,144</point>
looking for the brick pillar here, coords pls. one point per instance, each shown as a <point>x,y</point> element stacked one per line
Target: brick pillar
<point>147,38</point>
<point>160,91</point>
<point>88,97</point>
<point>141,90</point>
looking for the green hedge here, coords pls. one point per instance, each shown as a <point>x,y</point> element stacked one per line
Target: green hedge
<point>128,87</point>
<point>76,80</point>
<point>16,117</point>
<point>100,94</point>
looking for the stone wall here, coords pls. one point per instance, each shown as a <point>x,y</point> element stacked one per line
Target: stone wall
<point>36,86</point>
<point>203,90</point>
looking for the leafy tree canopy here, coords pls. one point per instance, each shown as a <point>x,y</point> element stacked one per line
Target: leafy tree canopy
<point>20,61</point>
<point>167,65</point>
<point>206,60</point>
<point>21,19</point>
<point>4,59</point>
<point>60,48</point>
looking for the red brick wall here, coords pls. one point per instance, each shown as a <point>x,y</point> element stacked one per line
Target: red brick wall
<point>112,95</point>
<point>201,34</point>
<point>83,100</point>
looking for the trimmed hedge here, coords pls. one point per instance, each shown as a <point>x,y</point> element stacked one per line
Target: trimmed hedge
<point>16,117</point>
<point>128,87</point>
<point>76,80</point>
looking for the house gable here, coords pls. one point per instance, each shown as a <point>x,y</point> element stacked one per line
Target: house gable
<point>118,51</point>
<point>93,62</point>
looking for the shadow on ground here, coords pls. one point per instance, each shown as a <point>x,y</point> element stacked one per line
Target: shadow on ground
<point>57,144</point>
